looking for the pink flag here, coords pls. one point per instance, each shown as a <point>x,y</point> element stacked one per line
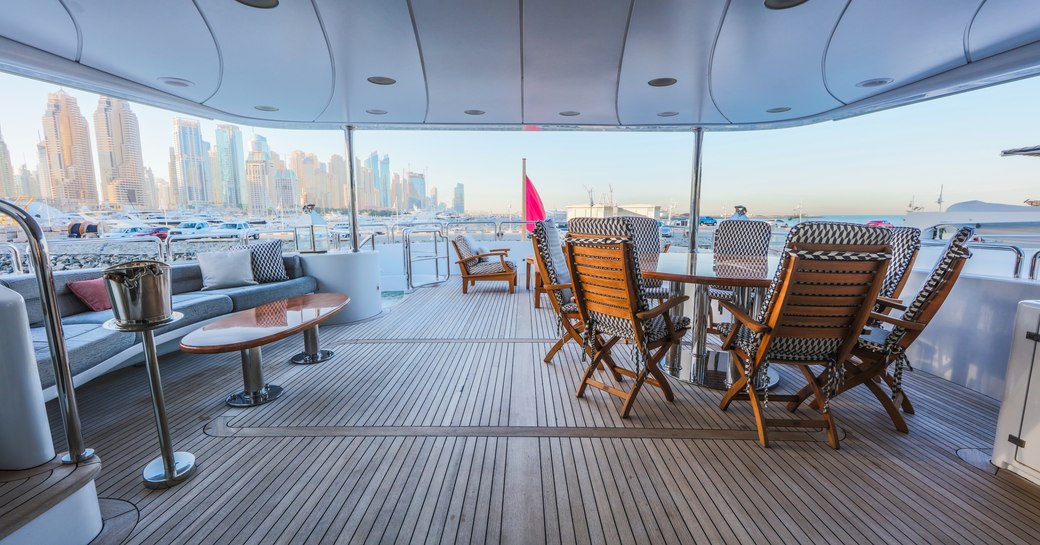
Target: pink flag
<point>535,208</point>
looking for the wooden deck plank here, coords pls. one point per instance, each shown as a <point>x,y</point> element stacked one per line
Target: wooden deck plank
<point>422,429</point>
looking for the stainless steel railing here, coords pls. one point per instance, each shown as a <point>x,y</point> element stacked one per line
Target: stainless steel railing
<point>410,257</point>
<point>16,256</point>
<point>41,263</point>
<point>511,226</point>
<point>1033,263</point>
<point>1016,268</point>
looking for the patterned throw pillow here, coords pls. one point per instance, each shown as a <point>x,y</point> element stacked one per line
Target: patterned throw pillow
<point>267,261</point>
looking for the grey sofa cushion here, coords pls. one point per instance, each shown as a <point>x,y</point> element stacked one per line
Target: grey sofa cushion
<point>89,317</point>
<point>253,296</point>
<point>187,276</point>
<point>87,345</point>
<point>196,307</point>
<point>68,303</point>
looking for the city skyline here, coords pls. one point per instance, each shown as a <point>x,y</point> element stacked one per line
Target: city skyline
<point>902,154</point>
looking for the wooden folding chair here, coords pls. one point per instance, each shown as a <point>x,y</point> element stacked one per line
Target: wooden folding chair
<point>737,239</point>
<point>815,309</point>
<point>556,281</point>
<point>906,243</point>
<point>885,342</point>
<point>491,266</point>
<point>613,305</point>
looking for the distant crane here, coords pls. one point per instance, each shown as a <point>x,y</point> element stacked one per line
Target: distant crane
<point>940,201</point>
<point>592,192</point>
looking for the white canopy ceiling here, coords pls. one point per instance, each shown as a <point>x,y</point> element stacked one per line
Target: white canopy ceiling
<point>736,64</point>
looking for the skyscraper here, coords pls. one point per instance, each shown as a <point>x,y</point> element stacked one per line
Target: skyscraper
<point>190,160</point>
<point>398,192</point>
<point>339,179</point>
<point>231,165</point>
<point>416,190</point>
<point>459,203</point>
<point>384,182</point>
<point>67,144</point>
<point>8,187</point>
<point>215,190</point>
<point>25,182</point>
<point>371,168</point>
<point>119,152</point>
<point>43,189</point>
<point>258,176</point>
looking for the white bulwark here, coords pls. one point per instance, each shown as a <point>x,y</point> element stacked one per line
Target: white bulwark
<point>611,210</point>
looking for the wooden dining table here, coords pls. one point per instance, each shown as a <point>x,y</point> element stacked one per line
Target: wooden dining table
<point>748,276</point>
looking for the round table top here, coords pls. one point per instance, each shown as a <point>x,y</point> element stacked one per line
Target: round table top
<point>736,271</point>
<point>264,324</point>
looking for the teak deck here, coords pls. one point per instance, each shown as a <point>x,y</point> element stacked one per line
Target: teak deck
<point>431,427</point>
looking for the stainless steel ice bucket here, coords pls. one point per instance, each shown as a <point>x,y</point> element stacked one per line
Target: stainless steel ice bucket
<point>140,292</point>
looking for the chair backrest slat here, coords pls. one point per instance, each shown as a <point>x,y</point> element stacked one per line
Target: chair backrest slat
<point>824,291</point>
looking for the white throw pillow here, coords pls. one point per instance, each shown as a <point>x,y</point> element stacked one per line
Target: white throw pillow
<point>226,269</point>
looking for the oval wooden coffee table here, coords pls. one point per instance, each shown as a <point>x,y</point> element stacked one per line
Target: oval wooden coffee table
<point>248,330</point>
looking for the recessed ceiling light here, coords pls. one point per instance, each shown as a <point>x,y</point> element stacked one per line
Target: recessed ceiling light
<point>474,112</point>
<point>263,108</point>
<point>382,80</point>
<point>779,110</point>
<point>177,82</point>
<point>667,114</point>
<point>569,113</point>
<point>662,82</point>
<point>376,112</point>
<point>782,4</point>
<point>876,82</point>
<point>262,4</point>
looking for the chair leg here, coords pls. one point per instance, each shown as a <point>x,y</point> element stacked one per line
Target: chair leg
<point>738,386</point>
<point>608,360</point>
<point>760,417</point>
<point>802,395</point>
<point>465,286</point>
<point>556,347</point>
<point>828,417</point>
<point>889,406</point>
<point>588,374</point>
<point>904,401</point>
<point>633,392</point>
<point>663,381</point>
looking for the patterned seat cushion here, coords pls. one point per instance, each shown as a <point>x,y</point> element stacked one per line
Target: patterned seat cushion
<point>569,307</point>
<point>657,328</point>
<point>783,348</point>
<point>719,292</point>
<point>491,267</point>
<point>875,340</point>
<point>646,237</point>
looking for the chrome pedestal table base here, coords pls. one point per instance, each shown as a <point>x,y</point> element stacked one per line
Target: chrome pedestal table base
<point>710,368</point>
<point>170,468</point>
<point>311,352</point>
<point>255,391</point>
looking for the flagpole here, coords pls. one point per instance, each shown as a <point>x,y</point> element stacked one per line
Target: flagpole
<point>523,189</point>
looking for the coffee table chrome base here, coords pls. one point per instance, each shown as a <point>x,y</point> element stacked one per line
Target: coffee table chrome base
<point>155,476</point>
<point>255,391</point>
<point>266,394</point>
<point>309,359</point>
<point>311,352</point>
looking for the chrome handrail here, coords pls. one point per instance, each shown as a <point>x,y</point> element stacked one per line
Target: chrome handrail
<point>1033,263</point>
<point>448,227</point>
<point>500,232</point>
<point>16,256</point>
<point>435,257</point>
<point>1016,269</point>
<point>41,262</point>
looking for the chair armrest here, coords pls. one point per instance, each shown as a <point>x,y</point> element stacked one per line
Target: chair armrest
<point>557,287</point>
<point>660,309</point>
<point>743,318</point>
<point>506,250</point>
<point>890,302</point>
<point>913,326</point>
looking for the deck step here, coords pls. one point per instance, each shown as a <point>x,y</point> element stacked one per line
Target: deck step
<point>26,494</point>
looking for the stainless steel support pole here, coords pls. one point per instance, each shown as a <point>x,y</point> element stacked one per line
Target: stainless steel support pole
<point>310,340</point>
<point>41,263</point>
<point>695,195</point>
<point>312,352</point>
<point>355,236</point>
<point>252,370</point>
<point>151,362</point>
<point>677,289</point>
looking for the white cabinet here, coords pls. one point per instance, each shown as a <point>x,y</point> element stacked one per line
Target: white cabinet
<point>1017,444</point>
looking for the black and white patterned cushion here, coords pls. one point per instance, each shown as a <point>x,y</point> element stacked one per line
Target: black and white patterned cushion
<point>646,235</point>
<point>906,241</point>
<point>465,250</point>
<point>609,231</point>
<point>783,348</point>
<point>268,265</point>
<point>550,249</point>
<point>491,267</point>
<point>737,238</point>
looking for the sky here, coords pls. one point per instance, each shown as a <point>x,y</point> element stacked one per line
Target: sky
<point>873,164</point>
